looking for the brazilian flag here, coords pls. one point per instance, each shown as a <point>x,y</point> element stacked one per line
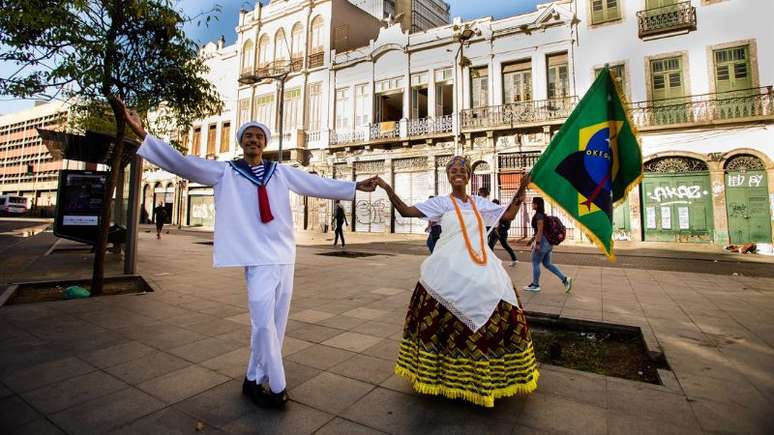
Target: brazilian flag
<point>593,161</point>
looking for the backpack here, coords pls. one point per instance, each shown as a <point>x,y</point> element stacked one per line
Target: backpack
<point>554,230</point>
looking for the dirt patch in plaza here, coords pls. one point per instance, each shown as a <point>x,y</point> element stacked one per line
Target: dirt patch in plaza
<point>48,291</point>
<point>351,254</point>
<point>609,350</point>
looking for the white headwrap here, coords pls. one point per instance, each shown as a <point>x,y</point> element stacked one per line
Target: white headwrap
<point>255,124</point>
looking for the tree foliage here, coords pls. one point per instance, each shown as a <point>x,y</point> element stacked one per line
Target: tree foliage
<point>92,51</point>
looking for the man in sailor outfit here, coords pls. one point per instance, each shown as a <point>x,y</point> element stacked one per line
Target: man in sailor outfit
<point>253,230</point>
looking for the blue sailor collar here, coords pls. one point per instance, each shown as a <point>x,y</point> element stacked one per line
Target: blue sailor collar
<point>243,169</point>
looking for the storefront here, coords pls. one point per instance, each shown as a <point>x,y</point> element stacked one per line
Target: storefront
<point>413,182</point>
<point>677,201</point>
<point>201,207</point>
<point>342,172</point>
<point>747,200</point>
<point>372,209</point>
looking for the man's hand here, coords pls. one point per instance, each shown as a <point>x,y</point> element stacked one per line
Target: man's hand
<point>132,119</point>
<point>368,185</point>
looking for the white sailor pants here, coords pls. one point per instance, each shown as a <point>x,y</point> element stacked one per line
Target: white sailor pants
<point>269,290</point>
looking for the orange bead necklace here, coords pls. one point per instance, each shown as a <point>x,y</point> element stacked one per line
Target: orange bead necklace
<point>478,259</point>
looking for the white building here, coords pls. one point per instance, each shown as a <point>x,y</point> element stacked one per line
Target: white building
<point>403,105</point>
<point>413,15</point>
<point>379,99</point>
<point>700,74</point>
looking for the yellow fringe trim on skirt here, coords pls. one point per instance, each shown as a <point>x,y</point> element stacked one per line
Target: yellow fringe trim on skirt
<point>456,393</point>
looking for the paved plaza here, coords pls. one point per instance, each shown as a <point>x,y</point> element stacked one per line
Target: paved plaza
<point>172,361</point>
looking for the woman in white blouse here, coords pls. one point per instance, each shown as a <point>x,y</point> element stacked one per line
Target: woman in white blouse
<point>466,333</point>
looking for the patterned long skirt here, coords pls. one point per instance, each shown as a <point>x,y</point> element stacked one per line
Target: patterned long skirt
<point>439,355</point>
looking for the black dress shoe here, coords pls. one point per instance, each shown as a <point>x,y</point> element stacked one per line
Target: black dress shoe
<point>269,399</point>
<point>248,388</point>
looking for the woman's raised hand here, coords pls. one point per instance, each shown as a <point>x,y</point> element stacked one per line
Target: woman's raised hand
<point>132,119</point>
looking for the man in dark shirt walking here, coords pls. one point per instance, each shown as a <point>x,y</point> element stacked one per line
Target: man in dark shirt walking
<point>339,220</point>
<point>160,217</point>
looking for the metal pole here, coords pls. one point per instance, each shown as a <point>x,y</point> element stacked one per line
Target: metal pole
<point>133,215</point>
<point>281,110</point>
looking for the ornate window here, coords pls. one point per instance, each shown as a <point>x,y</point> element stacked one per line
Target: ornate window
<point>264,53</point>
<point>247,55</point>
<point>744,162</point>
<point>675,164</point>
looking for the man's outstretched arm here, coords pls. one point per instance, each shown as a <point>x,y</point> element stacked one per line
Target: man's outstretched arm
<point>307,184</point>
<point>164,156</point>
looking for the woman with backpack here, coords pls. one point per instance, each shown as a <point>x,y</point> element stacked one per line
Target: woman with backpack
<point>541,249</point>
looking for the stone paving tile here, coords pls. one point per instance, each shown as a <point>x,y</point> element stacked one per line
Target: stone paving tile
<point>243,319</point>
<point>203,350</point>
<point>385,349</point>
<point>573,384</point>
<point>378,329</point>
<point>365,313</point>
<point>717,417</point>
<point>320,357</point>
<point>43,374</point>
<point>365,368</point>
<point>148,367</point>
<point>232,364</point>
<point>14,412</point>
<point>650,401</point>
<point>623,424</point>
<point>62,395</point>
<point>292,345</point>
<point>219,405</point>
<point>390,411</point>
<point>398,384</point>
<point>106,413</point>
<point>162,336</point>
<point>329,392</point>
<point>352,341</point>
<point>313,333</point>
<point>166,421</point>
<point>117,354</point>
<point>214,327</point>
<point>182,384</point>
<point>311,316</point>
<point>296,374</point>
<point>4,391</point>
<point>37,427</point>
<point>557,414</point>
<point>388,291</point>
<point>339,426</point>
<point>343,322</point>
<point>296,419</point>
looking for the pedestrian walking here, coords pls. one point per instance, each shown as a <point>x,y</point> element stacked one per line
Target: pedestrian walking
<point>542,249</point>
<point>338,221</point>
<point>433,231</point>
<point>501,234</point>
<point>160,218</point>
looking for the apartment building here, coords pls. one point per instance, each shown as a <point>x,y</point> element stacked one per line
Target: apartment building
<point>699,74</point>
<point>26,166</point>
<point>413,15</point>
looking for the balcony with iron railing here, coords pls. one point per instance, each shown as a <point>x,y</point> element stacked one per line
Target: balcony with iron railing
<point>430,126</point>
<point>315,59</point>
<point>394,130</point>
<point>296,64</point>
<point>680,17</point>
<point>520,114</point>
<point>748,105</point>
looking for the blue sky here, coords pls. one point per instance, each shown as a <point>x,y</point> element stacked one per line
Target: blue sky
<point>229,15</point>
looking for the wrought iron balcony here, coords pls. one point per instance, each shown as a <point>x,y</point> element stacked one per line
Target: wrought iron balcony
<point>316,59</point>
<point>296,64</point>
<point>384,130</point>
<point>667,19</point>
<point>247,76</point>
<point>347,137</point>
<point>754,104</point>
<point>518,114</point>
<point>430,126</point>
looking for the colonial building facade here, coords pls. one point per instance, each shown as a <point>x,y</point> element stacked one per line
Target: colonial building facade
<point>389,102</point>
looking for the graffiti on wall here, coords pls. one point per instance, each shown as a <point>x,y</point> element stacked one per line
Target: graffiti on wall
<point>370,212</point>
<point>742,180</point>
<point>680,194</point>
<point>203,211</point>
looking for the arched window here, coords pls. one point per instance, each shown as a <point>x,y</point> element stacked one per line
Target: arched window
<point>264,53</point>
<point>247,55</point>
<point>297,42</point>
<point>280,46</point>
<point>316,36</point>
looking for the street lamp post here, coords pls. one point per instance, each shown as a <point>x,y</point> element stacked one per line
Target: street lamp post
<point>462,34</point>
